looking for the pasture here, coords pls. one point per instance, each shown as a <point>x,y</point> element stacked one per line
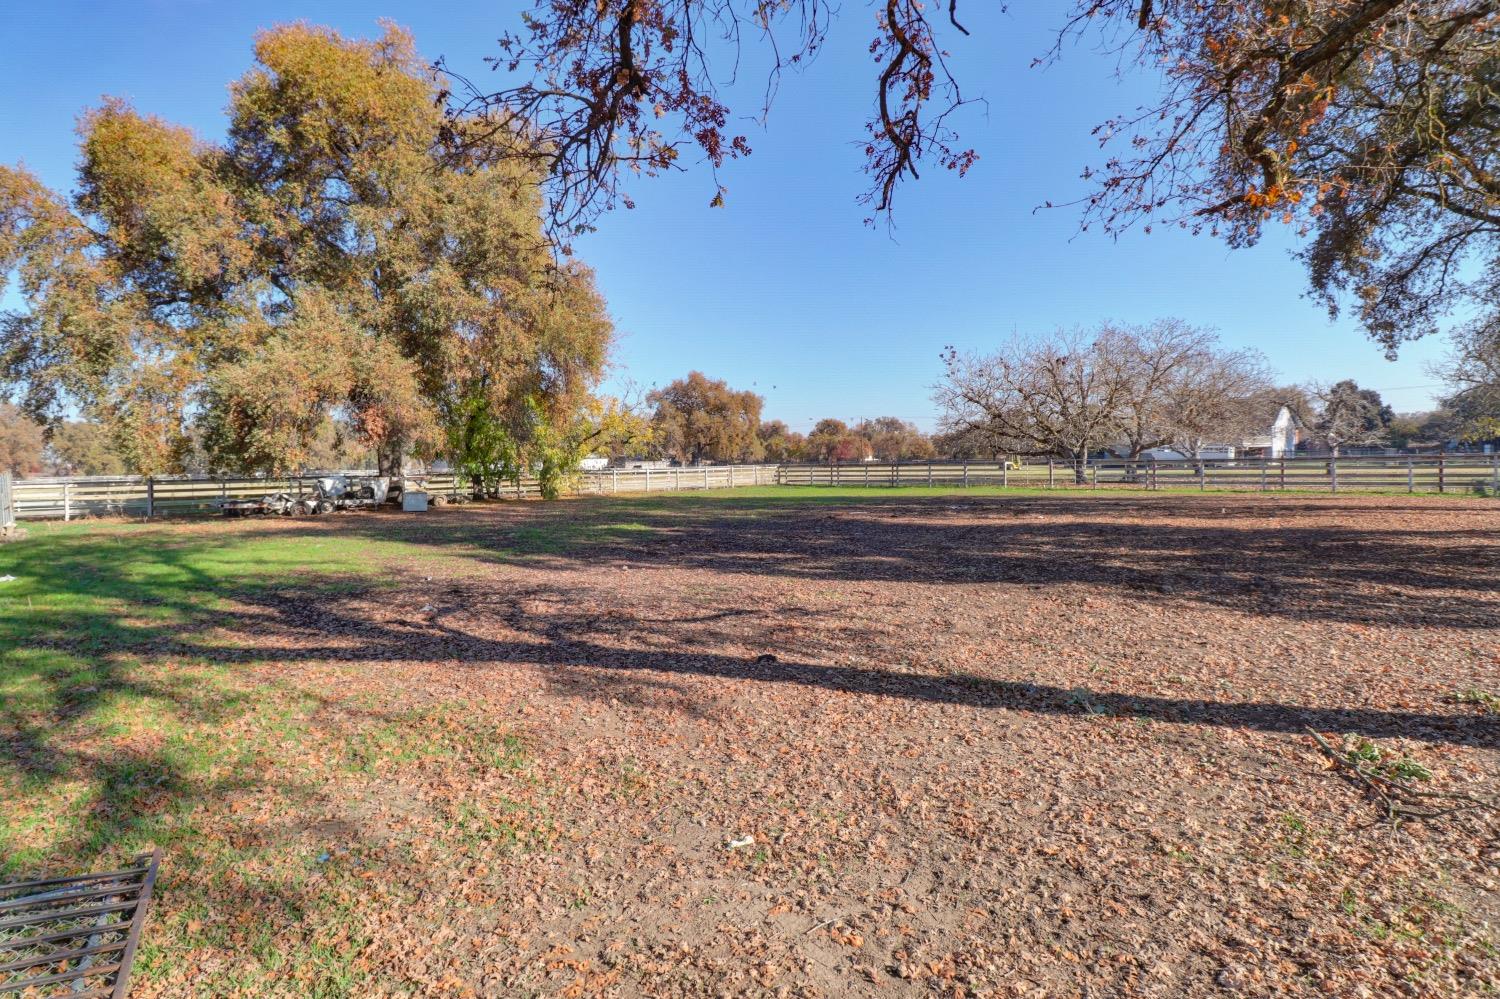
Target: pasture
<point>774,741</point>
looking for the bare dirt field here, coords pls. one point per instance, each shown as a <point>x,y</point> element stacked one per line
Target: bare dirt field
<point>778,742</point>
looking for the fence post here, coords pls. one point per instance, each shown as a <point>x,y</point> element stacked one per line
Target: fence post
<point>1051,471</point>
<point>1442,472</point>
<point>966,475</point>
<point>150,497</point>
<point>1151,475</point>
<point>705,477</point>
<point>1495,473</point>
<point>1283,473</point>
<point>1094,470</point>
<point>1411,475</point>
<point>1004,474</point>
<point>929,474</point>
<point>67,501</point>
<point>1263,475</point>
<point>1333,475</point>
<point>867,473</point>
<point>1202,477</point>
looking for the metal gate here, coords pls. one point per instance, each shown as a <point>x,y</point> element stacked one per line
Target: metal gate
<point>74,936</point>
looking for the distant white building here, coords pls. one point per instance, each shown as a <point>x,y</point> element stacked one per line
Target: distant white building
<point>1283,431</point>
<point>593,464</point>
<point>1279,441</point>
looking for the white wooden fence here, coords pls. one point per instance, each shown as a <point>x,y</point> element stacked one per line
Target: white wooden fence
<point>134,496</point>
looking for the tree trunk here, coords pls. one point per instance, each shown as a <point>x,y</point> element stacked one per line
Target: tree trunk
<point>388,460</point>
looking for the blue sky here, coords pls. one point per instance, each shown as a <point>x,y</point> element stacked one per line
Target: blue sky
<point>783,290</point>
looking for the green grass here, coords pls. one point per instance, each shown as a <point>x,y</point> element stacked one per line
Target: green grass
<point>124,723</point>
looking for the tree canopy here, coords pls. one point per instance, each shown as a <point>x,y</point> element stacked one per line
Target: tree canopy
<point>1473,372</point>
<point>1351,416</point>
<point>21,442</point>
<point>350,249</point>
<point>1128,388</point>
<point>698,419</point>
<point>832,440</point>
<point>893,439</point>
<point>1368,125</point>
<point>79,447</point>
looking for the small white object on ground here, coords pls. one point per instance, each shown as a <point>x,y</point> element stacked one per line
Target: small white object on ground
<point>7,579</point>
<point>743,841</point>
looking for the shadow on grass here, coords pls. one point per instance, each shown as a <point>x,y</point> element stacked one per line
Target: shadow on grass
<point>1318,560</point>
<point>104,623</point>
<point>110,685</point>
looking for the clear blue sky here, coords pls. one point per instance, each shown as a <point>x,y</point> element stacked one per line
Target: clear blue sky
<point>784,290</point>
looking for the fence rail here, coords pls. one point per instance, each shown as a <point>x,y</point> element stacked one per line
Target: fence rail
<point>1440,473</point>
<point>133,496</point>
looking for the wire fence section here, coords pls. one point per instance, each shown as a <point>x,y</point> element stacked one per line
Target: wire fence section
<point>1438,473</point>
<point>135,496</point>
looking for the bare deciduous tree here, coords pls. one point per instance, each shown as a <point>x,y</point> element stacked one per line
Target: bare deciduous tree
<point>1127,388</point>
<point>1215,397</point>
<point>1472,370</point>
<point>1061,396</point>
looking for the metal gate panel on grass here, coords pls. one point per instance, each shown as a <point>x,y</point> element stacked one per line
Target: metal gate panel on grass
<point>74,936</point>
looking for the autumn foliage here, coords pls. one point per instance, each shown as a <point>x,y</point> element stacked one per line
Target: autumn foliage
<point>349,252</point>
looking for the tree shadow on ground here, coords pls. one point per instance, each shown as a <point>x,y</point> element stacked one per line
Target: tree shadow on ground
<point>293,624</point>
<point>111,608</point>
<point>1294,560</point>
<point>100,635</point>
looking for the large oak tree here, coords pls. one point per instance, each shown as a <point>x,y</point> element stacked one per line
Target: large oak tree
<point>701,419</point>
<point>350,249</point>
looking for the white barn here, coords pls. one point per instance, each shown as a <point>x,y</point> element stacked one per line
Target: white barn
<point>1283,429</point>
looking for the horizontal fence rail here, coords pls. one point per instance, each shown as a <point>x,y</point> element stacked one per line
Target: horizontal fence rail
<point>1446,473</point>
<point>133,496</point>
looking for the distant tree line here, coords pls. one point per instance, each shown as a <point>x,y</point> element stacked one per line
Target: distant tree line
<point>697,419</point>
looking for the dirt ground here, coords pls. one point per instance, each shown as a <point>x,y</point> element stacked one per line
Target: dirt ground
<point>933,745</point>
